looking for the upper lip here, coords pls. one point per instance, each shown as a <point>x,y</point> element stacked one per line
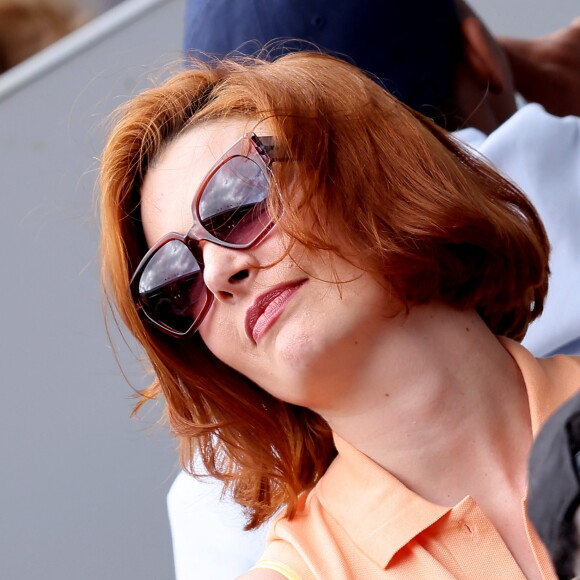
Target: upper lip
<point>261,303</point>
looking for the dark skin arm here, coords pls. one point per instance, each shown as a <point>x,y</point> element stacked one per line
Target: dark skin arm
<point>546,70</point>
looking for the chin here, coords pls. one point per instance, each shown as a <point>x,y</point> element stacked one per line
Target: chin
<point>302,370</point>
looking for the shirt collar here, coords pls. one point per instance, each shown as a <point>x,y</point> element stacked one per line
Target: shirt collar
<point>384,515</point>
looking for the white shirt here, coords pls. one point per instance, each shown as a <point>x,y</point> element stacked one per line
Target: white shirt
<point>541,154</point>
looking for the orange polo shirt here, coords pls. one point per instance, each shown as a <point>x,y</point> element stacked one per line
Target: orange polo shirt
<point>360,522</point>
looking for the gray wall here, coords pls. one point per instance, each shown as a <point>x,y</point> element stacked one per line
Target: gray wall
<point>82,486</point>
<point>526,18</point>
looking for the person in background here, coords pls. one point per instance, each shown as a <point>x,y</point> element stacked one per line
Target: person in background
<point>554,488</point>
<point>28,26</point>
<point>439,58</point>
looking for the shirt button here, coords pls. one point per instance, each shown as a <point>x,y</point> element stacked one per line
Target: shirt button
<point>467,528</point>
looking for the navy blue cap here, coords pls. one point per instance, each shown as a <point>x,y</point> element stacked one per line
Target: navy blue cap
<point>413,46</point>
<point>554,486</point>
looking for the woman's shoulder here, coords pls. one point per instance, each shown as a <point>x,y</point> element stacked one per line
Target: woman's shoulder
<point>262,574</point>
<point>563,366</point>
<point>271,570</point>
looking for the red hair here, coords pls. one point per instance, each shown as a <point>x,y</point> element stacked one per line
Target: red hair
<point>436,222</point>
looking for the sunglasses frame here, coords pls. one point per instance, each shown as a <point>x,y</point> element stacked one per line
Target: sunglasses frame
<point>258,150</point>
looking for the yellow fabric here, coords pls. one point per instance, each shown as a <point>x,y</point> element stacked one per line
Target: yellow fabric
<point>360,522</point>
<point>277,567</point>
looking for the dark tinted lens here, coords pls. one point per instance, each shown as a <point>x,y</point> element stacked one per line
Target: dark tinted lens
<point>233,204</point>
<point>171,287</point>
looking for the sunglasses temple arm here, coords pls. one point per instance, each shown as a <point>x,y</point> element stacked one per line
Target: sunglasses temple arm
<point>267,145</point>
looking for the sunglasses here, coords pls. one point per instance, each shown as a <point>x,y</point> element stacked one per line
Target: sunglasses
<point>230,210</point>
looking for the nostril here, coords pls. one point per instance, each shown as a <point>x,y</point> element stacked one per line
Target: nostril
<point>223,295</point>
<point>241,275</point>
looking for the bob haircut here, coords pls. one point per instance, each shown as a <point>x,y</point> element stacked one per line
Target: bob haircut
<point>409,202</point>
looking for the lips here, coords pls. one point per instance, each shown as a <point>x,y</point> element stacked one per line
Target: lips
<point>268,307</point>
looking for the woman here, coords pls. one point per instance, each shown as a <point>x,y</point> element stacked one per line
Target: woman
<point>319,277</point>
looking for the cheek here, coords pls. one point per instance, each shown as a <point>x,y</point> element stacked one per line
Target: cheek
<point>219,338</point>
<point>234,351</point>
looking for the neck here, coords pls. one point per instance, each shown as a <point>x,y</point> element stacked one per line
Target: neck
<point>442,386</point>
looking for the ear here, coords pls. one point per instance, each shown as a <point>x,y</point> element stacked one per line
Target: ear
<point>482,55</point>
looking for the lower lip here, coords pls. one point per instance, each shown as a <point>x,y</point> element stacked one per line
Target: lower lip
<point>272,312</point>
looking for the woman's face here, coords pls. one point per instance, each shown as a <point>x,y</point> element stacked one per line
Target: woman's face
<point>289,327</point>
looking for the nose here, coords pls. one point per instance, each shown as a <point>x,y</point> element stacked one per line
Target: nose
<point>227,272</point>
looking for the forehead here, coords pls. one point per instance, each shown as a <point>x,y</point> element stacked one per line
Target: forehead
<point>173,179</point>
